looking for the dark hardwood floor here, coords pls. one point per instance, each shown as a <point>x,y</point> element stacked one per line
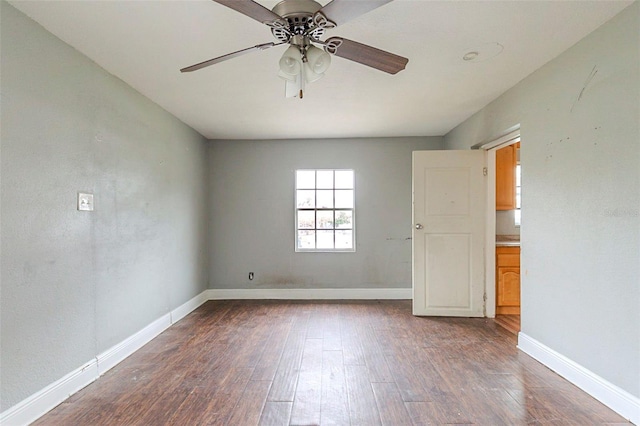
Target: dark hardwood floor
<point>339,363</point>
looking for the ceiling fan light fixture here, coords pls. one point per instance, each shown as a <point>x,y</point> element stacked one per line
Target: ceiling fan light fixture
<point>318,60</point>
<point>310,75</point>
<point>301,65</point>
<point>291,61</point>
<point>288,77</point>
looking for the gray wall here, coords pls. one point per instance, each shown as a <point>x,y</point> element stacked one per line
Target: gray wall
<point>252,213</point>
<point>580,231</point>
<point>75,283</point>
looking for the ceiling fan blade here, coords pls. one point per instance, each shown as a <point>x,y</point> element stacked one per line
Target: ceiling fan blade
<point>366,55</point>
<point>229,56</point>
<point>341,11</point>
<point>251,9</point>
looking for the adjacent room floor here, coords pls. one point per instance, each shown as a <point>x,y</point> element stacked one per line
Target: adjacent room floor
<point>510,322</point>
<point>342,363</point>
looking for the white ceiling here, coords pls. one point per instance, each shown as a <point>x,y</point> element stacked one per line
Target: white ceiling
<point>145,43</point>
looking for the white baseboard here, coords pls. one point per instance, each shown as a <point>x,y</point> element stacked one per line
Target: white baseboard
<point>619,400</point>
<point>35,406</point>
<point>189,306</point>
<point>116,354</point>
<point>310,293</point>
<point>31,408</point>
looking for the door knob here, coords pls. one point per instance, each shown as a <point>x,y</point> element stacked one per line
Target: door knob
<point>419,226</point>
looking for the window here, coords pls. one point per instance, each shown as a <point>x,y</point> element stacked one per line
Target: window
<point>325,216</point>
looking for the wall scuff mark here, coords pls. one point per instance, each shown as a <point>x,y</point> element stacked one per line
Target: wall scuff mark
<point>593,73</point>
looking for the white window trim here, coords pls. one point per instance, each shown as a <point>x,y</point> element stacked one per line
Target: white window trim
<point>295,214</point>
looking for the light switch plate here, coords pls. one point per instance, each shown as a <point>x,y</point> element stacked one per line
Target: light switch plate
<point>85,202</point>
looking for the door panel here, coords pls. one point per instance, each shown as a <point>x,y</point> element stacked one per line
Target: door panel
<point>448,235</point>
<point>450,282</point>
<point>448,192</point>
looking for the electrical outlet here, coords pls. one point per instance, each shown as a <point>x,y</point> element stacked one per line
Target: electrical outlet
<point>250,276</point>
<point>85,202</point>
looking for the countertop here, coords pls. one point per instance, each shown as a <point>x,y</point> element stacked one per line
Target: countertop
<point>508,240</point>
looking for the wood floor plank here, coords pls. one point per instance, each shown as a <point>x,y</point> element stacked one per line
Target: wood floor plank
<point>331,337</point>
<point>156,414</point>
<point>407,380</point>
<point>248,410</point>
<point>509,322</point>
<point>268,364</point>
<point>315,324</point>
<point>286,377</point>
<point>352,345</point>
<point>306,404</point>
<point>362,403</point>
<point>248,362</point>
<point>426,413</point>
<point>334,400</point>
<point>276,414</point>
<point>390,404</point>
<point>374,358</point>
<point>495,407</point>
<point>213,405</point>
<point>253,346</point>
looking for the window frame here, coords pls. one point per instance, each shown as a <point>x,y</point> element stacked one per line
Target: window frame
<point>333,209</point>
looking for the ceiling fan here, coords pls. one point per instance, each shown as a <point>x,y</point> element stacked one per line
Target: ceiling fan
<point>301,24</point>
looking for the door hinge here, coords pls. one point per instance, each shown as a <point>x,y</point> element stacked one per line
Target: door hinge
<point>484,296</point>
<point>485,171</point>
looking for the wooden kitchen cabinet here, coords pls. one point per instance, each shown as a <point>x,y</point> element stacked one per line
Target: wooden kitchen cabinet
<point>508,280</point>
<point>506,160</point>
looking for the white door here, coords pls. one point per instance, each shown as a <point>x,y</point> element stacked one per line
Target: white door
<point>449,193</point>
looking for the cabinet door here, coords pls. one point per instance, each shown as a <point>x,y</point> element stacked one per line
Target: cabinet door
<point>508,280</point>
<point>508,290</point>
<point>506,178</point>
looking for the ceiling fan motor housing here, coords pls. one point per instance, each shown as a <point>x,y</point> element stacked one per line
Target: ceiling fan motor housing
<point>301,24</point>
<point>298,15</point>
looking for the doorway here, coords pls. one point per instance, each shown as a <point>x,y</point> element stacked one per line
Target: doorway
<point>503,230</point>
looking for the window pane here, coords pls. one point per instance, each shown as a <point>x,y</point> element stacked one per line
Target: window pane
<point>306,198</point>
<point>344,219</point>
<point>325,219</point>
<point>344,199</point>
<point>325,240</point>
<point>325,199</point>
<point>325,179</point>
<point>344,239</point>
<point>305,179</point>
<point>344,179</point>
<point>307,239</point>
<point>306,219</point>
